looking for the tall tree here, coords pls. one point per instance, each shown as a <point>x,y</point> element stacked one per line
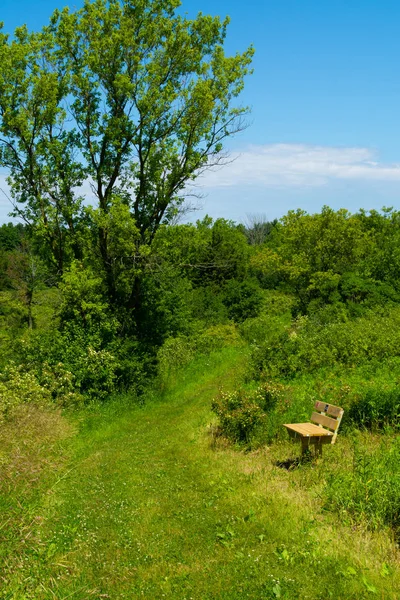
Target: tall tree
<point>130,96</point>
<point>37,146</point>
<point>26,274</point>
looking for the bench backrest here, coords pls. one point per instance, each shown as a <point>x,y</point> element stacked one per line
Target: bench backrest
<point>328,417</point>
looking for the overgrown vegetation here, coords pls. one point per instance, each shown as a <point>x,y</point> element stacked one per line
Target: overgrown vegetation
<point>109,307</point>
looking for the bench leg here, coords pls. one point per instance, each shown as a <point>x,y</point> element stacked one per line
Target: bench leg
<point>305,442</point>
<point>318,448</point>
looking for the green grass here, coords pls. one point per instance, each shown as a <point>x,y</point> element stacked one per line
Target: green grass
<point>148,503</point>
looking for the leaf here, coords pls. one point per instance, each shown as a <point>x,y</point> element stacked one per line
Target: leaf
<point>385,570</point>
<point>285,555</point>
<point>370,588</point>
<point>52,549</point>
<point>277,590</point>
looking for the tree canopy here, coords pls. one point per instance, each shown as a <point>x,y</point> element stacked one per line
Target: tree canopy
<point>130,97</point>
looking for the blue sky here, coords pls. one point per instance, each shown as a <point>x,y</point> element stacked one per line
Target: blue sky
<point>325,97</point>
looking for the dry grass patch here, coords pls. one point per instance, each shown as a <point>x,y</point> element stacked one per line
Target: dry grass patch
<point>32,454</point>
<point>30,444</point>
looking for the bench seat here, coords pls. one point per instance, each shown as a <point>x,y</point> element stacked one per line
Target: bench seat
<point>309,430</point>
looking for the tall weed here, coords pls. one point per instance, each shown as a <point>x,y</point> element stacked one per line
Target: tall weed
<point>368,492</point>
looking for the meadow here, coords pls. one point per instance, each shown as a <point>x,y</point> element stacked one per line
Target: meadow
<point>130,500</point>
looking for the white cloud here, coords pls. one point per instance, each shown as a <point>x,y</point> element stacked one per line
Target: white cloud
<point>290,167</point>
<point>299,165</point>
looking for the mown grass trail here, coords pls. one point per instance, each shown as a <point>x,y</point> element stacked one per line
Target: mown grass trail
<point>148,507</point>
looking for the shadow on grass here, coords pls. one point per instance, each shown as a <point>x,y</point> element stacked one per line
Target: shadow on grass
<point>294,463</point>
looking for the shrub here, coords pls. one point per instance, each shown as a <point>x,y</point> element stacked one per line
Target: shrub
<point>273,395</point>
<point>264,330</point>
<point>60,359</point>
<point>253,415</point>
<point>97,375</point>
<point>134,366</point>
<point>242,299</point>
<point>307,345</point>
<point>174,354</point>
<point>277,303</point>
<point>239,414</point>
<point>61,384</point>
<point>217,337</point>
<point>19,387</point>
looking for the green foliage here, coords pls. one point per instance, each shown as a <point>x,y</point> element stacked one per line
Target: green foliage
<point>61,384</point>
<point>97,374</point>
<point>19,387</point>
<point>63,360</point>
<point>51,384</point>
<point>217,337</point>
<point>174,354</point>
<point>376,408</point>
<point>164,309</point>
<point>332,258</point>
<point>13,314</point>
<point>207,253</point>
<point>139,99</point>
<point>134,366</point>
<point>239,414</point>
<point>11,236</point>
<point>178,352</point>
<point>207,307</point>
<point>307,345</point>
<point>369,492</point>
<point>83,310</point>
<point>125,255</point>
<point>242,299</point>
<point>252,416</point>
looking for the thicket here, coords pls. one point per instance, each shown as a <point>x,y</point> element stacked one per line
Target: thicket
<point>299,299</point>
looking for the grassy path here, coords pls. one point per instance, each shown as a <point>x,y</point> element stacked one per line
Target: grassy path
<point>147,508</point>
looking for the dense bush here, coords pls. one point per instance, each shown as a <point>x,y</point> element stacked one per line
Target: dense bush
<point>174,354</point>
<point>90,369</point>
<point>242,299</point>
<point>20,387</point>
<point>239,414</point>
<point>252,415</point>
<point>307,346</point>
<point>53,385</point>
<point>216,338</point>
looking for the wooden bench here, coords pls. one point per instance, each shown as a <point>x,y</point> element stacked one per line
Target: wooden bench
<point>323,428</point>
